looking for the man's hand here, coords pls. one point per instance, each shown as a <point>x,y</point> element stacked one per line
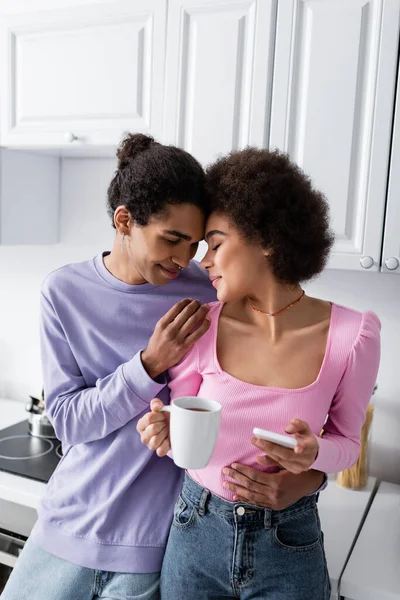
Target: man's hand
<point>296,461</point>
<point>271,490</point>
<point>174,334</point>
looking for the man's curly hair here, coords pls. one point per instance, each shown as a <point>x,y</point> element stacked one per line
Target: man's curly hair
<point>272,202</point>
<point>151,176</point>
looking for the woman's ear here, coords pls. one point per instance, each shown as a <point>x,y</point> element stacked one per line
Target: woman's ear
<point>122,220</point>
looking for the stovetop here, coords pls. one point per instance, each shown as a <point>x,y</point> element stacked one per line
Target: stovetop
<point>26,455</point>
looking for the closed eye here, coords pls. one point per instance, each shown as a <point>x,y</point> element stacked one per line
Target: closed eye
<point>215,247</point>
<point>172,242</point>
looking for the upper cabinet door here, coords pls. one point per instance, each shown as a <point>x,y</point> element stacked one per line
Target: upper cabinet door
<point>83,75</point>
<point>332,110</point>
<point>391,245</point>
<point>219,74</point>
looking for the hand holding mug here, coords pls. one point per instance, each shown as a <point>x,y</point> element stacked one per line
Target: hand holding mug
<point>154,428</point>
<point>193,429</point>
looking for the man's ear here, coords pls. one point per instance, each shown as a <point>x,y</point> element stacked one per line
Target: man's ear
<point>122,220</point>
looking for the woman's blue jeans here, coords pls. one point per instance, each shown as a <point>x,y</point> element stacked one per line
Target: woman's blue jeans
<point>219,549</point>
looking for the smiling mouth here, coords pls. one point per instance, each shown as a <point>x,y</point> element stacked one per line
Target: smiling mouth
<point>215,280</point>
<point>170,273</point>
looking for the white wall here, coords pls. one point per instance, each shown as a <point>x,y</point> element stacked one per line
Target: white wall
<point>85,230</point>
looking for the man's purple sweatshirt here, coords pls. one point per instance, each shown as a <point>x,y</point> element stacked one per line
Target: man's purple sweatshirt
<point>109,504</point>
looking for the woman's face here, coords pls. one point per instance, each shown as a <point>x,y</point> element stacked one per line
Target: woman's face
<point>235,266</point>
<point>157,250</point>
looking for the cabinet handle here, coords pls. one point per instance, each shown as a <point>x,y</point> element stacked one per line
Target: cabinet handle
<point>70,137</point>
<point>391,263</point>
<point>366,262</point>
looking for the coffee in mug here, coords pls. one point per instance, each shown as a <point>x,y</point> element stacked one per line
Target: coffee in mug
<point>194,427</point>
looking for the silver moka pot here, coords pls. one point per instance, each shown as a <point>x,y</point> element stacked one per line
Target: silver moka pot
<point>39,424</point>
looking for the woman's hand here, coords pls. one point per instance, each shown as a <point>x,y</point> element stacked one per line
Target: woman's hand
<point>296,461</point>
<point>154,429</point>
<point>174,334</point>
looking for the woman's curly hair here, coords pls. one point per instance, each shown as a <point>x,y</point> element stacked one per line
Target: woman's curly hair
<point>272,202</point>
<point>151,176</point>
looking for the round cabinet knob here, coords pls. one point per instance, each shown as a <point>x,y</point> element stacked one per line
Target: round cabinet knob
<point>391,263</point>
<point>366,262</point>
<point>70,137</point>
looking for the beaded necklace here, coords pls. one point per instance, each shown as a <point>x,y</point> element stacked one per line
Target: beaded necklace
<point>275,314</point>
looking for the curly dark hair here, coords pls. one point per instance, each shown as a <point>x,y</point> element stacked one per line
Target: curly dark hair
<point>272,202</point>
<point>151,176</point>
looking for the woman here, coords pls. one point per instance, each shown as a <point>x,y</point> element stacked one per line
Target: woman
<point>274,358</point>
<point>106,343</point>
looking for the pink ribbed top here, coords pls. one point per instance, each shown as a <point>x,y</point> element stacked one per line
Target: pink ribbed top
<point>336,401</point>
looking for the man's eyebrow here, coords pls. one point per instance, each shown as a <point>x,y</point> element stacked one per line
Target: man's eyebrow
<point>214,232</point>
<point>178,234</point>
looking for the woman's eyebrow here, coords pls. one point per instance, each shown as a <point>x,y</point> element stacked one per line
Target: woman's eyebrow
<point>178,234</point>
<point>214,232</point>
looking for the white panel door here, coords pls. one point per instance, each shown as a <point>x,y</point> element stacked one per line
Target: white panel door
<point>332,109</point>
<point>218,75</point>
<point>83,75</point>
<point>391,245</point>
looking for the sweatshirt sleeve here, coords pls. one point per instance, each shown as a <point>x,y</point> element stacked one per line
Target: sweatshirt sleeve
<point>340,444</point>
<point>81,414</point>
<point>185,376</point>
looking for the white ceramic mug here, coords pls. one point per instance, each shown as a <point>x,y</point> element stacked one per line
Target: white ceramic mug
<point>194,427</point>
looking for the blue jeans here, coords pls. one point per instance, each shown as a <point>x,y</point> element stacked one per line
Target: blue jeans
<point>219,549</point>
<point>39,575</point>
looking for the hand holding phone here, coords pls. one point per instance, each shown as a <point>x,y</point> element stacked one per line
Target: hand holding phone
<point>276,438</point>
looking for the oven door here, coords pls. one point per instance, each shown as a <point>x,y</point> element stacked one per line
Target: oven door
<point>16,522</point>
<point>10,548</point>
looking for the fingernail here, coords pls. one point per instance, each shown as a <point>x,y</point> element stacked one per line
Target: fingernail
<point>225,471</point>
<point>236,498</point>
<point>290,429</point>
<point>234,465</point>
<point>225,485</point>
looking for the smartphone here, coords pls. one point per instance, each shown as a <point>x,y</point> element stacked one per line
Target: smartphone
<point>276,438</point>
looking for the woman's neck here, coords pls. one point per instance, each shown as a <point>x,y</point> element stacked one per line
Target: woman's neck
<point>273,299</point>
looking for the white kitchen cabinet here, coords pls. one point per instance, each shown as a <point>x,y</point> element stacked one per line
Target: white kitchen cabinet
<point>82,76</point>
<point>391,244</point>
<point>218,74</point>
<point>29,198</point>
<point>332,109</point>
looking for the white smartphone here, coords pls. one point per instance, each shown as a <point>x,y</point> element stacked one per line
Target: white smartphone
<point>276,438</point>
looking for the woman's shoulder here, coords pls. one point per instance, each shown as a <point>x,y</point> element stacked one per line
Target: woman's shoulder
<point>215,309</point>
<point>362,324</point>
<point>213,316</point>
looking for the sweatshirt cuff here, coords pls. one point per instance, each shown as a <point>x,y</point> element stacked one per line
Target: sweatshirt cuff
<point>140,381</point>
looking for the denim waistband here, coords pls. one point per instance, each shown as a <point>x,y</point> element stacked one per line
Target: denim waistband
<point>204,500</point>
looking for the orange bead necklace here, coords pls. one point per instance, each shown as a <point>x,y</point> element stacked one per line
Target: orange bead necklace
<point>275,314</point>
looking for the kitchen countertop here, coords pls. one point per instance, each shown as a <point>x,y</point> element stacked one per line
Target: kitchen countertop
<point>14,488</point>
